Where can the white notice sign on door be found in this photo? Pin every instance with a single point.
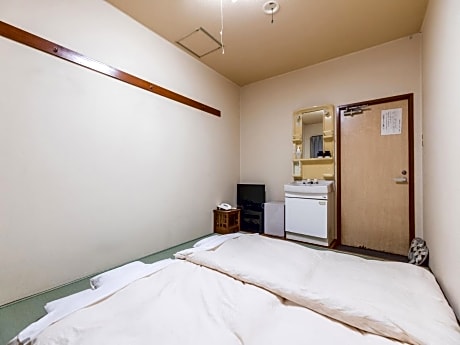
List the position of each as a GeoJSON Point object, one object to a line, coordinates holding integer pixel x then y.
{"type": "Point", "coordinates": [391, 121]}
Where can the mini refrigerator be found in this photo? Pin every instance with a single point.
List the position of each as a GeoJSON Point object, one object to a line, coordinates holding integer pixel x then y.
{"type": "Point", "coordinates": [274, 218]}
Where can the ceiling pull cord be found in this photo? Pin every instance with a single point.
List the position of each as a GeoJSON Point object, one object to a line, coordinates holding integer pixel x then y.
{"type": "Point", "coordinates": [270, 8]}
{"type": "Point", "coordinates": [222, 27]}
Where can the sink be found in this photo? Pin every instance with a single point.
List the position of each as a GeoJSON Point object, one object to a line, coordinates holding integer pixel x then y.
{"type": "Point", "coordinates": [304, 187]}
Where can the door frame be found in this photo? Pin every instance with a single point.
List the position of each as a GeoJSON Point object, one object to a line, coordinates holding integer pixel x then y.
{"type": "Point", "coordinates": [410, 123]}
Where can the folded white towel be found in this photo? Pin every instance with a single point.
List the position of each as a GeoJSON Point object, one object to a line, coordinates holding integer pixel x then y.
{"type": "Point", "coordinates": [207, 243]}
{"type": "Point", "coordinates": [116, 273]}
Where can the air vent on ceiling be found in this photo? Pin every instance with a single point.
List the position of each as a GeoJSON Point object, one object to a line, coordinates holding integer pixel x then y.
{"type": "Point", "coordinates": [199, 42]}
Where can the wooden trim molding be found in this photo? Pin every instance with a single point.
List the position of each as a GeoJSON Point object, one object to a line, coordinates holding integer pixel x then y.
{"type": "Point", "coordinates": [33, 41]}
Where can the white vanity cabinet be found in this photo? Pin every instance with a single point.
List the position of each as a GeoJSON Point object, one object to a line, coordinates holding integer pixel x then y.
{"type": "Point", "coordinates": [310, 198]}
{"type": "Point", "coordinates": [310, 212]}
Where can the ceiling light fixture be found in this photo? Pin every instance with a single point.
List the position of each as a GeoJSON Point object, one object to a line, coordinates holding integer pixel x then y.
{"type": "Point", "coordinates": [271, 7]}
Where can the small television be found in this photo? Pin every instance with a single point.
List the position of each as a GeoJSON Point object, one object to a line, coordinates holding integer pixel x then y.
{"type": "Point", "coordinates": [250, 199]}
{"type": "Point", "coordinates": [250, 196]}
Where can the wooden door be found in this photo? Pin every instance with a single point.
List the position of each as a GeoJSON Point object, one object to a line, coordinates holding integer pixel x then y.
{"type": "Point", "coordinates": [375, 175]}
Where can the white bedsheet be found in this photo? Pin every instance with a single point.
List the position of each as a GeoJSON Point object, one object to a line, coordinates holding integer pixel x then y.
{"type": "Point", "coordinates": [189, 304]}
{"type": "Point", "coordinates": [58, 309]}
{"type": "Point", "coordinates": [391, 299]}
{"type": "Point", "coordinates": [185, 302]}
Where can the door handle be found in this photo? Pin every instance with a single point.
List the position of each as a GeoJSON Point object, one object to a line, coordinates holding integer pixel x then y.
{"type": "Point", "coordinates": [400, 179]}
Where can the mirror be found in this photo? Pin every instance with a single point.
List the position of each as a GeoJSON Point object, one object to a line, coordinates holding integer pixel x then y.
{"type": "Point", "coordinates": [313, 143]}
{"type": "Point", "coordinates": [312, 133]}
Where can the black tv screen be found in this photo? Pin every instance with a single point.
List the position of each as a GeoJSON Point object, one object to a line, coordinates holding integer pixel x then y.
{"type": "Point", "coordinates": [249, 195]}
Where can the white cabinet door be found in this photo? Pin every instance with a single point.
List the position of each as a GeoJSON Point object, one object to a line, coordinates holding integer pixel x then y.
{"type": "Point", "coordinates": [306, 216]}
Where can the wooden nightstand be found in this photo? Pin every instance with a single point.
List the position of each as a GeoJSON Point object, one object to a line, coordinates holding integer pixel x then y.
{"type": "Point", "coordinates": [226, 222]}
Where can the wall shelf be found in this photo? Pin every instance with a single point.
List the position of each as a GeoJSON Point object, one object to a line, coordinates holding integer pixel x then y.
{"type": "Point", "coordinates": [314, 160]}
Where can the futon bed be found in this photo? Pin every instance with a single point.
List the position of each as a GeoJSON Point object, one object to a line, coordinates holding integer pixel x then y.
{"type": "Point", "coordinates": [249, 289]}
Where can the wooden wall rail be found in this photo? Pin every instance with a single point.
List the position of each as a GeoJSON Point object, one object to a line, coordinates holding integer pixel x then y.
{"type": "Point", "coordinates": [33, 41]}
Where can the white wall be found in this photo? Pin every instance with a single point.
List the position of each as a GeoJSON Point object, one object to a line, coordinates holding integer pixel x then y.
{"type": "Point", "coordinates": [267, 106]}
{"type": "Point", "coordinates": [95, 172]}
{"type": "Point", "coordinates": [441, 161]}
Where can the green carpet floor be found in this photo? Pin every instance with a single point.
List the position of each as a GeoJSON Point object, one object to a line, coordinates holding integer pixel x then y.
{"type": "Point", "coordinates": [16, 316]}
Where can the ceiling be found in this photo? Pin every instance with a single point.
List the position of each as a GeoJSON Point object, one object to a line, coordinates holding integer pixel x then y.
{"type": "Point", "coordinates": [303, 32]}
